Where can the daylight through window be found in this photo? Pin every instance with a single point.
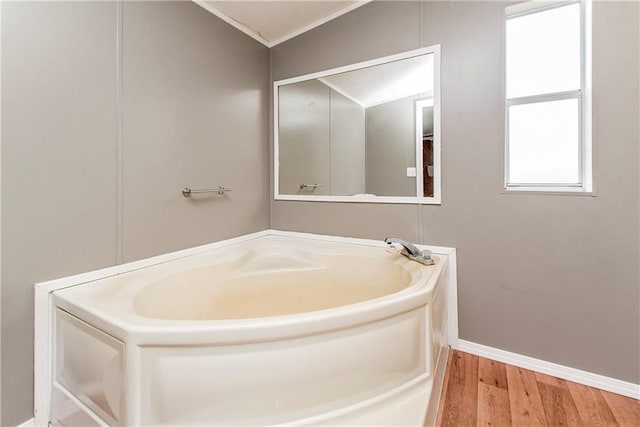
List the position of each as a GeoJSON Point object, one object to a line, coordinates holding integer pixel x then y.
{"type": "Point", "coordinates": [547, 116]}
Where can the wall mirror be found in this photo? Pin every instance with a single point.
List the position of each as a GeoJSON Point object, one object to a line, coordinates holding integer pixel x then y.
{"type": "Point", "coordinates": [368, 132]}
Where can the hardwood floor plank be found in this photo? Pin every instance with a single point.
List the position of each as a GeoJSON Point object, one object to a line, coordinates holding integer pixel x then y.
{"type": "Point", "coordinates": [592, 407]}
{"type": "Point", "coordinates": [625, 410]}
{"type": "Point", "coordinates": [482, 392]}
{"type": "Point", "coordinates": [526, 404]}
{"type": "Point", "coordinates": [493, 405]}
{"type": "Point", "coordinates": [558, 405]}
{"type": "Point", "coordinates": [492, 373]}
{"type": "Point", "coordinates": [548, 379]}
{"type": "Point", "coordinates": [460, 406]}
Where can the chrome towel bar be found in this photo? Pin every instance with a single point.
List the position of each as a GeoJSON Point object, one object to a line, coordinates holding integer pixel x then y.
{"type": "Point", "coordinates": [311, 186]}
{"type": "Point", "coordinates": [187, 192]}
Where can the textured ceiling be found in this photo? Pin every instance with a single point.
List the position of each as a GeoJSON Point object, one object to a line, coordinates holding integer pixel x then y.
{"type": "Point", "coordinates": [272, 22]}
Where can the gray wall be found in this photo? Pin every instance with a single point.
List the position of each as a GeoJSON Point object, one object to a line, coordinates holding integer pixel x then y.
{"type": "Point", "coordinates": [83, 189]}
{"type": "Point", "coordinates": [195, 94]}
{"type": "Point", "coordinates": [391, 147]}
{"type": "Point", "coordinates": [58, 166]}
{"type": "Point", "coordinates": [347, 146]}
{"type": "Point", "coordinates": [552, 277]}
{"type": "Point", "coordinates": [305, 131]}
{"type": "Point", "coordinates": [321, 140]}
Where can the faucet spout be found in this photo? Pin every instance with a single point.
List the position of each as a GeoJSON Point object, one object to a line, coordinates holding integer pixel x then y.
{"type": "Point", "coordinates": [411, 251]}
{"type": "Point", "coordinates": [408, 246]}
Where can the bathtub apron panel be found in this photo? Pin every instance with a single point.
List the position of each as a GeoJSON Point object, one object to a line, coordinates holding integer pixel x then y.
{"type": "Point", "coordinates": [282, 381]}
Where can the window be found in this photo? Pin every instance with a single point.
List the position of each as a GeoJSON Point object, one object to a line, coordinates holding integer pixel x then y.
{"type": "Point", "coordinates": [547, 109]}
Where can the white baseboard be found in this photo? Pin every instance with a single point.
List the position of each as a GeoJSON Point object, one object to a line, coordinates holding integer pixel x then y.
{"type": "Point", "coordinates": [576, 375]}
{"type": "Point", "coordinates": [28, 423]}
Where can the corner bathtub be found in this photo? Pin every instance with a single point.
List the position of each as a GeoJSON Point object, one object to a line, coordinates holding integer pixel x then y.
{"type": "Point", "coordinates": [271, 328]}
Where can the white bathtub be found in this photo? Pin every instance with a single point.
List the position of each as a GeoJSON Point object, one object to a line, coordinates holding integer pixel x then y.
{"type": "Point", "coordinates": [270, 328]}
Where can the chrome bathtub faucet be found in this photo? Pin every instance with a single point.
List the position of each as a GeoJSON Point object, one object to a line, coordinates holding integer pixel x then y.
{"type": "Point", "coordinates": [411, 251]}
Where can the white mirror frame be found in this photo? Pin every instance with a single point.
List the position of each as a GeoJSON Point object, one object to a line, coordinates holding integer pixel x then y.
{"type": "Point", "coordinates": [436, 199]}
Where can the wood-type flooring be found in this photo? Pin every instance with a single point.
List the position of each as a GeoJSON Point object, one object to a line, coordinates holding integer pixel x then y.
{"type": "Point", "coordinates": [482, 392]}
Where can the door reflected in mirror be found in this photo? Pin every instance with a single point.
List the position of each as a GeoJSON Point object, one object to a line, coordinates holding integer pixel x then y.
{"type": "Point", "coordinates": [368, 132]}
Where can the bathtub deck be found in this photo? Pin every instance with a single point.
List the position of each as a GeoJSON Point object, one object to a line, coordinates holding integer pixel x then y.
{"type": "Point", "coordinates": [480, 391]}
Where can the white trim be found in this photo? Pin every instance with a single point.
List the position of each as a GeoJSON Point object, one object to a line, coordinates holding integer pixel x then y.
{"type": "Point", "coordinates": [452, 300]}
{"type": "Point", "coordinates": [29, 423]}
{"type": "Point", "coordinates": [258, 37]}
{"type": "Point", "coordinates": [549, 191]}
{"type": "Point", "coordinates": [0, 190]}
{"type": "Point", "coordinates": [43, 332]}
{"type": "Point", "coordinates": [533, 6]}
{"type": "Point", "coordinates": [276, 161]}
{"type": "Point", "coordinates": [364, 199]}
{"type": "Point", "coordinates": [565, 372]}
{"type": "Point", "coordinates": [435, 200]}
{"type": "Point", "coordinates": [437, 127]}
{"type": "Point", "coordinates": [586, 26]}
{"type": "Point", "coordinates": [370, 63]}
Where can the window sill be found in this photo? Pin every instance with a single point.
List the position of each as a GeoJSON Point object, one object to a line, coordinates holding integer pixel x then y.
{"type": "Point", "coordinates": [549, 191]}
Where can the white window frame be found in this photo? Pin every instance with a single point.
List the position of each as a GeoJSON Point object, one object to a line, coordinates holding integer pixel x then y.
{"type": "Point", "coordinates": [583, 95]}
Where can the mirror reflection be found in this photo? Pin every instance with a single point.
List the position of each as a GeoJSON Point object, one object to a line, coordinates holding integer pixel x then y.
{"type": "Point", "coordinates": [363, 134]}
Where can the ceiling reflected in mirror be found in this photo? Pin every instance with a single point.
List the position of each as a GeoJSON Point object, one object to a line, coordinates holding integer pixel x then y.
{"type": "Point", "coordinates": [384, 83]}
